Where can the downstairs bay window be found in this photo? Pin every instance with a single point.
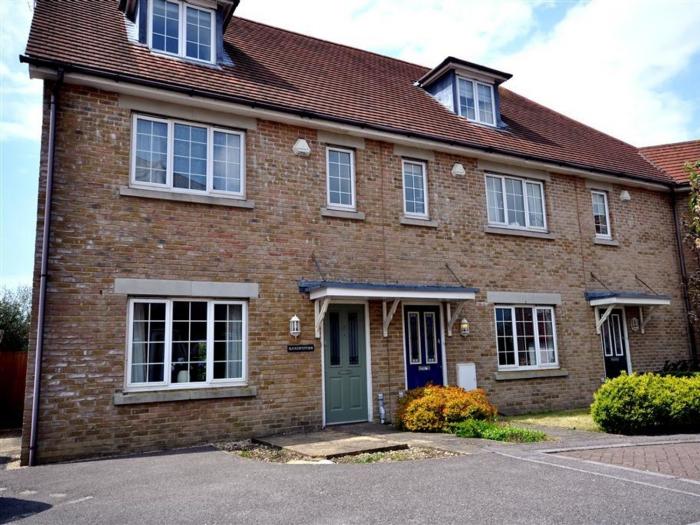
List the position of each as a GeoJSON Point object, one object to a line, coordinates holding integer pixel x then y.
{"type": "Point", "coordinates": [180, 343]}
{"type": "Point", "coordinates": [526, 337]}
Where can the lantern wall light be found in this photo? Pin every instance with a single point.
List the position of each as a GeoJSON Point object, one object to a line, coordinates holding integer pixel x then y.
{"type": "Point", "coordinates": [294, 327]}
{"type": "Point", "coordinates": [464, 327]}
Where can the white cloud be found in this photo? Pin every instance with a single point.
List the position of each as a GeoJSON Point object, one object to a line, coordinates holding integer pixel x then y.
{"type": "Point", "coordinates": [419, 31]}
{"type": "Point", "coordinates": [606, 63]}
{"type": "Point", "coordinates": [20, 97]}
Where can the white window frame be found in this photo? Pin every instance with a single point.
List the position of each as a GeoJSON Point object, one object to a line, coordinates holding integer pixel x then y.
{"type": "Point", "coordinates": [536, 335]}
{"type": "Point", "coordinates": [526, 204]}
{"type": "Point", "coordinates": [353, 204]}
{"type": "Point", "coordinates": [607, 236]}
{"type": "Point", "coordinates": [169, 186]}
{"type": "Point", "coordinates": [424, 167]}
{"type": "Point", "coordinates": [182, 31]}
{"type": "Point", "coordinates": [166, 384]}
{"type": "Point", "coordinates": [475, 95]}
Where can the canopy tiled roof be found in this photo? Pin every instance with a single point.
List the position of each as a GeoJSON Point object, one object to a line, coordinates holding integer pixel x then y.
{"type": "Point", "coordinates": [279, 69]}
{"type": "Point", "coordinates": [670, 158]}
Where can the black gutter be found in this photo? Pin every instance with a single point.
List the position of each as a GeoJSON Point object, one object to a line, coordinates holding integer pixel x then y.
{"type": "Point", "coordinates": [692, 343]}
{"type": "Point", "coordinates": [254, 104]}
{"type": "Point", "coordinates": [38, 354]}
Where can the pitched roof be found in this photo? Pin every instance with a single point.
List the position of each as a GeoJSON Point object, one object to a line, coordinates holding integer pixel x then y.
{"type": "Point", "coordinates": [670, 158]}
{"type": "Point", "coordinates": [280, 69]}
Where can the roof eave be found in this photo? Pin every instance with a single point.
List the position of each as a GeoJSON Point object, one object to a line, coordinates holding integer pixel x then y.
{"type": "Point", "coordinates": [68, 67]}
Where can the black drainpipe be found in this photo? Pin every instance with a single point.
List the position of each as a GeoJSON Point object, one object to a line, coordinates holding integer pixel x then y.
{"type": "Point", "coordinates": [53, 103]}
{"type": "Point", "coordinates": [684, 276]}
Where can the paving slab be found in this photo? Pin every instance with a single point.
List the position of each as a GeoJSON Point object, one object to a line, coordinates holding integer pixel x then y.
{"type": "Point", "coordinates": [331, 443]}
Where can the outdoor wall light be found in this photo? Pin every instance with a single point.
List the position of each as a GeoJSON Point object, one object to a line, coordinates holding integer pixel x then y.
{"type": "Point", "coordinates": [301, 148]}
{"type": "Point", "coordinates": [458, 170]}
{"type": "Point", "coordinates": [294, 327]}
{"type": "Point", "coordinates": [625, 196]}
{"type": "Point", "coordinates": [634, 323]}
{"type": "Point", "coordinates": [464, 327]}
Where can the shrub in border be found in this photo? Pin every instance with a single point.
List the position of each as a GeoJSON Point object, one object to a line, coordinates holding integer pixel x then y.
{"type": "Point", "coordinates": [434, 408]}
{"type": "Point", "coordinates": [648, 404]}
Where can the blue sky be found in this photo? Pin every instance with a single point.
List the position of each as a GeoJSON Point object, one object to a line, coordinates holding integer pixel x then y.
{"type": "Point", "coordinates": [627, 67]}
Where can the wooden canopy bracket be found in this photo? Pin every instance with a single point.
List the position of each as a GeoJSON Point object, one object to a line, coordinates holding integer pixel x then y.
{"type": "Point", "coordinates": [644, 319]}
{"type": "Point", "coordinates": [320, 308]}
{"type": "Point", "coordinates": [600, 319]}
{"type": "Point", "coordinates": [453, 316]}
{"type": "Point", "coordinates": [387, 316]}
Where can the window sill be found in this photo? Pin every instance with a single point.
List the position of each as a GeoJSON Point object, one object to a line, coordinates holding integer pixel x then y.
{"type": "Point", "coordinates": [425, 223]}
{"type": "Point", "coordinates": [127, 191]}
{"type": "Point", "coordinates": [164, 396]}
{"type": "Point", "coordinates": [606, 242]}
{"type": "Point", "coordinates": [343, 214]}
{"type": "Point", "coordinates": [509, 375]}
{"type": "Point", "coordinates": [520, 233]}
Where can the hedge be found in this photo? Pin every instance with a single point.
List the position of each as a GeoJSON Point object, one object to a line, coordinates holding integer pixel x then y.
{"type": "Point", "coordinates": [434, 408]}
{"type": "Point", "coordinates": [648, 404]}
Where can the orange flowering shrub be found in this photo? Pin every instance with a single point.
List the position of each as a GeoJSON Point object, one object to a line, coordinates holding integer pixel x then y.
{"type": "Point", "coordinates": [434, 408]}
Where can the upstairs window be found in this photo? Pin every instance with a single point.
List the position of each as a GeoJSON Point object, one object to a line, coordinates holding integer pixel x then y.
{"type": "Point", "coordinates": [476, 101]}
{"type": "Point", "coordinates": [184, 157]}
{"type": "Point", "coordinates": [601, 214]}
{"type": "Point", "coordinates": [180, 29]}
{"type": "Point", "coordinates": [340, 171]}
{"type": "Point", "coordinates": [415, 190]}
{"type": "Point", "coordinates": [515, 203]}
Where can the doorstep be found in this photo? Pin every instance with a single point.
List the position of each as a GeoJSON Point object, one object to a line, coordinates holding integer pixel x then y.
{"type": "Point", "coordinates": [329, 443]}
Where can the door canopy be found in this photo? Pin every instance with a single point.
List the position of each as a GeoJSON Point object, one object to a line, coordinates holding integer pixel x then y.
{"type": "Point", "coordinates": [607, 300]}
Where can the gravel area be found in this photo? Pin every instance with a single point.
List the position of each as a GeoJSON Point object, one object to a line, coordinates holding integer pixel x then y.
{"type": "Point", "coordinates": [249, 450]}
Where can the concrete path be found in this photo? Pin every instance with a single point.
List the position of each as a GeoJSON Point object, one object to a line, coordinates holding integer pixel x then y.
{"type": "Point", "coordinates": [10, 445]}
{"type": "Point", "coordinates": [331, 443]}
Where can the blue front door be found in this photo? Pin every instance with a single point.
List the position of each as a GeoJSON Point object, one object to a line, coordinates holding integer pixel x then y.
{"type": "Point", "coordinates": [423, 343]}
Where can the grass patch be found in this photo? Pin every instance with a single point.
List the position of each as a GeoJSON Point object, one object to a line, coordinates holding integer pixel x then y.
{"type": "Point", "coordinates": [578, 419]}
{"type": "Point", "coordinates": [475, 428]}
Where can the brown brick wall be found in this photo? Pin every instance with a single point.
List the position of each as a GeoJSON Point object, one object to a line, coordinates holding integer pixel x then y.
{"type": "Point", "coordinates": [98, 235]}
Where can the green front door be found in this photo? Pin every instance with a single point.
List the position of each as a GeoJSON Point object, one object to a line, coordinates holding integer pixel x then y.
{"type": "Point", "coordinates": [345, 363]}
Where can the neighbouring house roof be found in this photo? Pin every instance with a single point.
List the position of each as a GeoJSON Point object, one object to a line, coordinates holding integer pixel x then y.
{"type": "Point", "coordinates": [287, 71]}
{"type": "Point", "coordinates": [608, 297]}
{"type": "Point", "coordinates": [670, 158]}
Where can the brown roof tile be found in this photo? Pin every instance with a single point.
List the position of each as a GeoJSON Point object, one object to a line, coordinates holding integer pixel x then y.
{"type": "Point", "coordinates": [670, 158]}
{"type": "Point", "coordinates": [298, 73]}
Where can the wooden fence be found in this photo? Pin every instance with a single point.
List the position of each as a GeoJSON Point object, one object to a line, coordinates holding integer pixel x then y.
{"type": "Point", "coordinates": [13, 371]}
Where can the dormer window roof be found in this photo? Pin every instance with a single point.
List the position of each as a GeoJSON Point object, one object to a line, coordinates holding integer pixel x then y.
{"type": "Point", "coordinates": [467, 89]}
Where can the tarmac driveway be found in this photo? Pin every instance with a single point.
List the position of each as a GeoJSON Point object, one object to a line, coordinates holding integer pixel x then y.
{"type": "Point", "coordinates": [501, 485]}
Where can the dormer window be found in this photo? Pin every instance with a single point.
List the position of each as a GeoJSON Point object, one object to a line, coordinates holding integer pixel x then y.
{"type": "Point", "coordinates": [467, 89]}
{"type": "Point", "coordinates": [180, 29]}
{"type": "Point", "coordinates": [476, 101]}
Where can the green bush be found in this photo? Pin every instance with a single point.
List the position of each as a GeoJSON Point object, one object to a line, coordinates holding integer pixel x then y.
{"type": "Point", "coordinates": [473, 428]}
{"type": "Point", "coordinates": [433, 408]}
{"type": "Point", "coordinates": [648, 404]}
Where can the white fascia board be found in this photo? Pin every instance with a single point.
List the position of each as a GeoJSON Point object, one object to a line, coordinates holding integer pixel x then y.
{"type": "Point", "coordinates": [629, 302]}
{"type": "Point", "coordinates": [336, 127]}
{"type": "Point", "coordinates": [388, 293]}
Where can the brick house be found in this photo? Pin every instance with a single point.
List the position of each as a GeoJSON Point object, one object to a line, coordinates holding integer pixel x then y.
{"type": "Point", "coordinates": [255, 231]}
